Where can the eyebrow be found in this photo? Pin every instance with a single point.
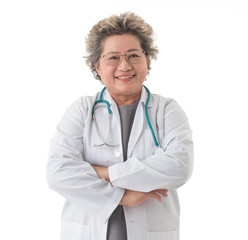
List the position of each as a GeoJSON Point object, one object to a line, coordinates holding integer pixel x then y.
{"type": "Point", "coordinates": [130, 50]}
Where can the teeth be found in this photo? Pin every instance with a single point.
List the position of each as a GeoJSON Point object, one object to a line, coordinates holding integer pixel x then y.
{"type": "Point", "coordinates": [125, 77]}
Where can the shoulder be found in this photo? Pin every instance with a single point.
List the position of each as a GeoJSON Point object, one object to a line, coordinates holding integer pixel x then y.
{"type": "Point", "coordinates": [82, 105]}
{"type": "Point", "coordinates": [164, 102]}
{"type": "Point", "coordinates": [167, 107]}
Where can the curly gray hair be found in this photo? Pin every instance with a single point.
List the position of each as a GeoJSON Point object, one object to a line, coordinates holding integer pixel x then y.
{"type": "Point", "coordinates": [125, 23]}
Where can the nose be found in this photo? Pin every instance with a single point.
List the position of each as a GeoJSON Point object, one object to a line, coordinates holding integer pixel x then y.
{"type": "Point", "coordinates": [124, 65]}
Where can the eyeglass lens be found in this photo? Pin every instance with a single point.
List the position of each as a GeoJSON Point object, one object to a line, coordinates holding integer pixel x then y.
{"type": "Point", "coordinates": [115, 58]}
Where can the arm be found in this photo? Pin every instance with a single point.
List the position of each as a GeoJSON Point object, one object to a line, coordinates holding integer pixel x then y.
{"type": "Point", "coordinates": [132, 198]}
{"type": "Point", "coordinates": [74, 178]}
{"type": "Point", "coordinates": [170, 166]}
{"type": "Point", "coordinates": [102, 172]}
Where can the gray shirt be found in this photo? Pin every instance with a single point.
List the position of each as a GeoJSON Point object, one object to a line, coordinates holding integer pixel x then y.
{"type": "Point", "coordinates": [117, 224]}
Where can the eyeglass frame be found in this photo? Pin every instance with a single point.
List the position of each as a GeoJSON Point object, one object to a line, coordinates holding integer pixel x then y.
{"type": "Point", "coordinates": [121, 56]}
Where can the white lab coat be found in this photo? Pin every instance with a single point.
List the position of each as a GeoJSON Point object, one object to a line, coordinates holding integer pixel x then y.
{"type": "Point", "coordinates": [90, 201]}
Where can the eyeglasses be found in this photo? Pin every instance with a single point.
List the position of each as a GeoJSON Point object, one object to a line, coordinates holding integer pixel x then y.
{"type": "Point", "coordinates": [133, 57]}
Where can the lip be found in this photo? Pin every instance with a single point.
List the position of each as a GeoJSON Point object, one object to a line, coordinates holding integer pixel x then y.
{"type": "Point", "coordinates": [125, 78]}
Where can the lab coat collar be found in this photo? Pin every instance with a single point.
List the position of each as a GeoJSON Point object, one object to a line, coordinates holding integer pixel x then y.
{"type": "Point", "coordinates": [144, 96]}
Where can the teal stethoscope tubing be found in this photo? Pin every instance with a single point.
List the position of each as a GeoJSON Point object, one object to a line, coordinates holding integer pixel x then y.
{"type": "Point", "coordinates": [146, 110]}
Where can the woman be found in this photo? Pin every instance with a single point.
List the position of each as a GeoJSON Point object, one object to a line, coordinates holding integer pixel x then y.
{"type": "Point", "coordinates": [118, 157]}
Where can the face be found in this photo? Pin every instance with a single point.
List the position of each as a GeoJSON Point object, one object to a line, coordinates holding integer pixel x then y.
{"type": "Point", "coordinates": [124, 80]}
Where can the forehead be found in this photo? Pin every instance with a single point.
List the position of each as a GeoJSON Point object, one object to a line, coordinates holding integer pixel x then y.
{"type": "Point", "coordinates": [121, 43]}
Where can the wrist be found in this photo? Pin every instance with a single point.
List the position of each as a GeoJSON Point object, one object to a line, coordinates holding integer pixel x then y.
{"type": "Point", "coordinates": [122, 202]}
{"type": "Point", "coordinates": [106, 174]}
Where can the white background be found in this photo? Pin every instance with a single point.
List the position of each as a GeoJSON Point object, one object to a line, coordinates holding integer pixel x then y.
{"type": "Point", "coordinates": [203, 64]}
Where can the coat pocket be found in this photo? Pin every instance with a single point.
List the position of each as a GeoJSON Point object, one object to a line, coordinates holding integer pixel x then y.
{"type": "Point", "coordinates": [74, 231]}
{"type": "Point", "coordinates": [170, 235]}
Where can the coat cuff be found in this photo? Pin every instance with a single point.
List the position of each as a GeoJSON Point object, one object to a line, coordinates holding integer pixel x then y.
{"type": "Point", "coordinates": [120, 170]}
{"type": "Point", "coordinates": [116, 198]}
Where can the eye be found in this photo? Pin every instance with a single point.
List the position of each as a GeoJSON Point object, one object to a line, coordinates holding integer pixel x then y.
{"type": "Point", "coordinates": [113, 57]}
{"type": "Point", "coordinates": [134, 55]}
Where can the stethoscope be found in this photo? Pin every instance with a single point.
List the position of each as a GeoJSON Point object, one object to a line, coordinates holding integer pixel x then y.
{"type": "Point", "coordinates": [101, 100]}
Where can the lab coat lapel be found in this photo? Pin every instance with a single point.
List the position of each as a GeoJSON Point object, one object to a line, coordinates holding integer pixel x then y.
{"type": "Point", "coordinates": [138, 123]}
{"type": "Point", "coordinates": [113, 106]}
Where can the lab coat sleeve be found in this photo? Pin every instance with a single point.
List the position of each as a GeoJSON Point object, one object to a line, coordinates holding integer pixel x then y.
{"type": "Point", "coordinates": [170, 166]}
{"type": "Point", "coordinates": [73, 177]}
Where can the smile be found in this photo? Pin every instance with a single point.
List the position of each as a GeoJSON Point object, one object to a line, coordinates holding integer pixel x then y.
{"type": "Point", "coordinates": [129, 77]}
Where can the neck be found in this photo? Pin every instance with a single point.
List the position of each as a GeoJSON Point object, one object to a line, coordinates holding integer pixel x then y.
{"type": "Point", "coordinates": [125, 100]}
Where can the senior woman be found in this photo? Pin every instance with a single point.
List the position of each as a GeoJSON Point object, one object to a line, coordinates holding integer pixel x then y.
{"type": "Point", "coordinates": [118, 157]}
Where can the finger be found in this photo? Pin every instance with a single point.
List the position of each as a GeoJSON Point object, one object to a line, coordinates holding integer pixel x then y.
{"type": "Point", "coordinates": [163, 192]}
{"type": "Point", "coordinates": [154, 195]}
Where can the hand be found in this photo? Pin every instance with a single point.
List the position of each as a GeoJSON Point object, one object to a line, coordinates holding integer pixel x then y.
{"type": "Point", "coordinates": [133, 198]}
{"type": "Point", "coordinates": [102, 172]}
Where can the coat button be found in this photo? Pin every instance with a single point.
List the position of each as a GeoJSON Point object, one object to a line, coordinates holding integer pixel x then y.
{"type": "Point", "coordinates": [117, 154]}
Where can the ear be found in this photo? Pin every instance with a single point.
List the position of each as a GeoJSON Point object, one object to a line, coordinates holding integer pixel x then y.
{"type": "Point", "coordinates": [97, 69]}
{"type": "Point", "coordinates": [147, 61]}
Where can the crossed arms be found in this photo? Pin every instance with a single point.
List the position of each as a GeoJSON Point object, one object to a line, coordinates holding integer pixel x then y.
{"type": "Point", "coordinates": [132, 198]}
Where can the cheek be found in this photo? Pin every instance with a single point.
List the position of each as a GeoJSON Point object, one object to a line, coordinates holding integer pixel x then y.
{"type": "Point", "coordinates": [142, 70]}
{"type": "Point", "coordinates": [105, 72]}
{"type": "Point", "coordinates": [109, 73]}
